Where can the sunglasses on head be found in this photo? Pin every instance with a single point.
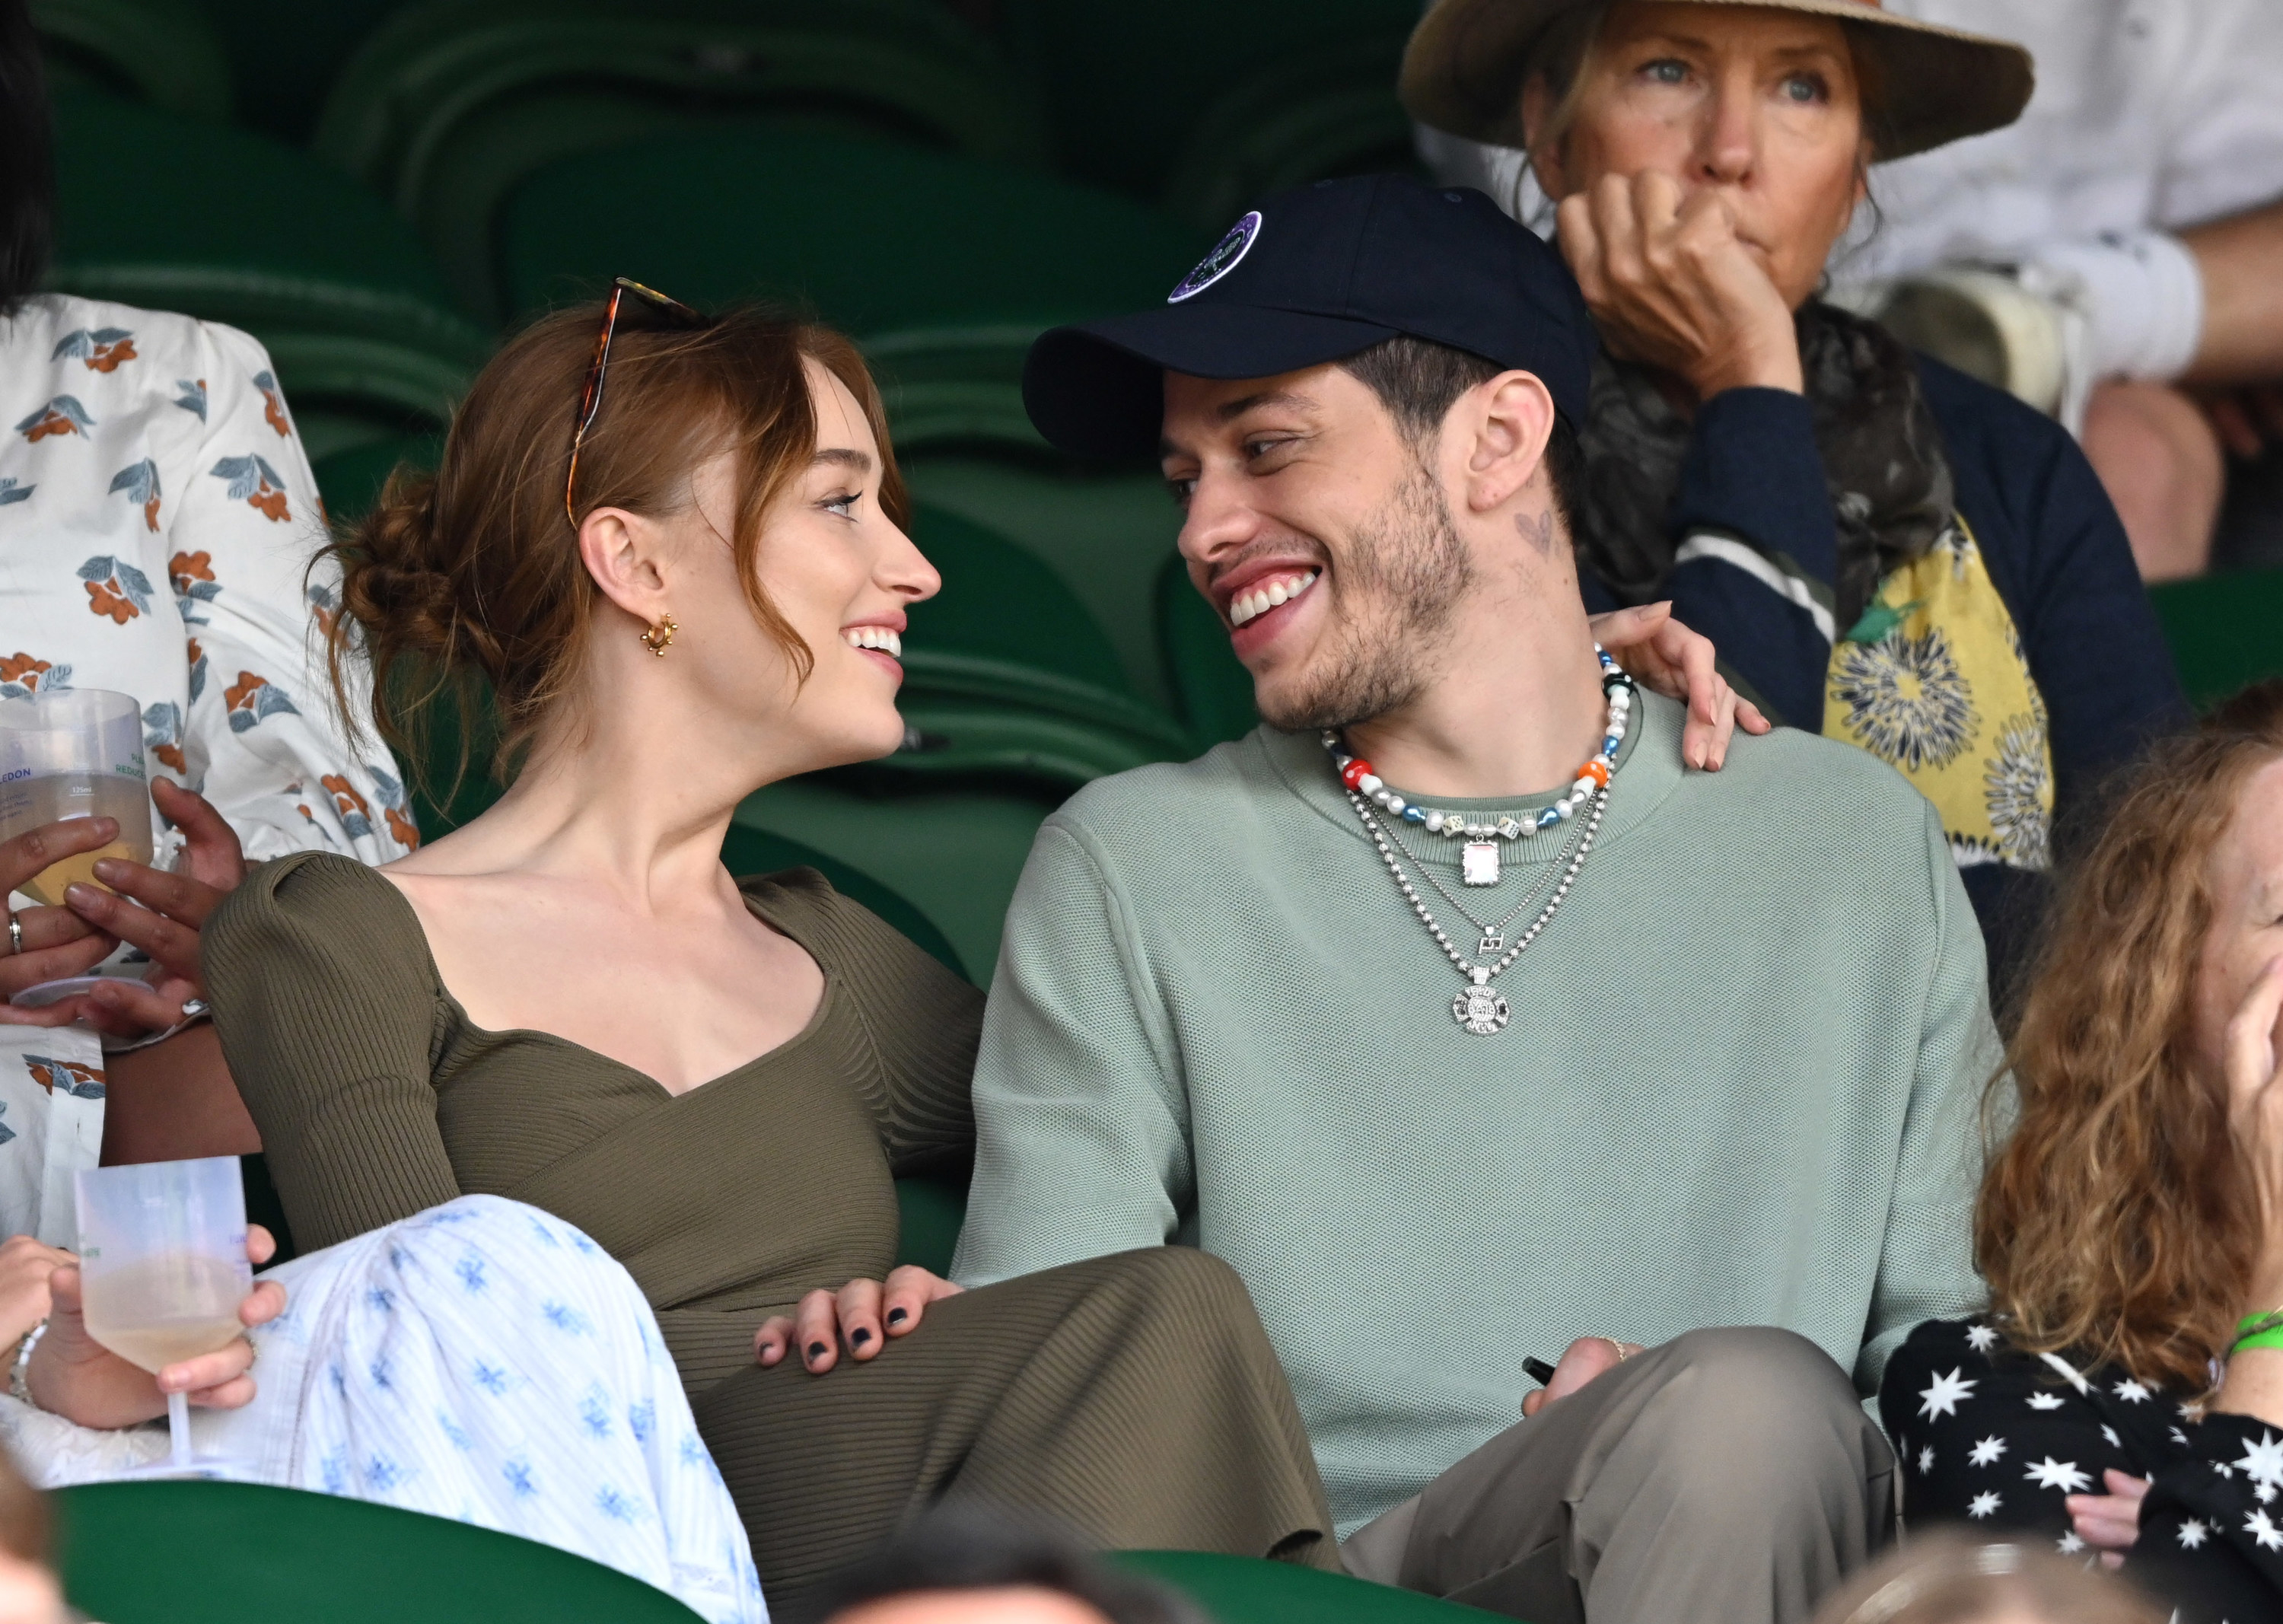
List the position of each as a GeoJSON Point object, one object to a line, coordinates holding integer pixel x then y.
{"type": "Point", "coordinates": [590, 399]}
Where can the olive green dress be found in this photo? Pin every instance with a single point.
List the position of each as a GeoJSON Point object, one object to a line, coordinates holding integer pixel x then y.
{"type": "Point", "coordinates": [1134, 1396]}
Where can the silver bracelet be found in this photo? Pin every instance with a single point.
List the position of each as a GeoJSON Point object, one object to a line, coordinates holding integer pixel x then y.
{"type": "Point", "coordinates": [20, 1384]}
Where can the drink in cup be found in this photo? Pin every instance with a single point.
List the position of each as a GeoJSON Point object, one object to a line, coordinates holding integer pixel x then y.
{"type": "Point", "coordinates": [162, 1266]}
{"type": "Point", "coordinates": [76, 753]}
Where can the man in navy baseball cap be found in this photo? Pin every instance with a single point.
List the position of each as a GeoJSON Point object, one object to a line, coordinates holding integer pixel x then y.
{"type": "Point", "coordinates": [1318, 275]}
{"type": "Point", "coordinates": [1448, 1006]}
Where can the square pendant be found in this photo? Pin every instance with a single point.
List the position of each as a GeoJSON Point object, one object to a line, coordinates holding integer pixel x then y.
{"type": "Point", "coordinates": [1479, 863]}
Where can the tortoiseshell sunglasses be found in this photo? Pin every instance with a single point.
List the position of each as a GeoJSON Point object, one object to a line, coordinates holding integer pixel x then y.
{"type": "Point", "coordinates": [590, 399]}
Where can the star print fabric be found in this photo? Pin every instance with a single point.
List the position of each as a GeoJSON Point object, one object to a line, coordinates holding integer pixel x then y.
{"type": "Point", "coordinates": [482, 1361]}
{"type": "Point", "coordinates": [1996, 1438]}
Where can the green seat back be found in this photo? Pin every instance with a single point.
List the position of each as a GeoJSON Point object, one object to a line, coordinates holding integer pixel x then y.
{"type": "Point", "coordinates": [1317, 112]}
{"type": "Point", "coordinates": [1106, 532]}
{"type": "Point", "coordinates": [177, 213]}
{"type": "Point", "coordinates": [1127, 87]}
{"type": "Point", "coordinates": [1213, 688]}
{"type": "Point", "coordinates": [284, 55]}
{"type": "Point", "coordinates": [1244, 1591]}
{"type": "Point", "coordinates": [223, 1553]}
{"type": "Point", "coordinates": [351, 478]}
{"type": "Point", "coordinates": [165, 52]}
{"type": "Point", "coordinates": [2225, 630]}
{"type": "Point", "coordinates": [874, 236]}
{"type": "Point", "coordinates": [1000, 600]}
{"type": "Point", "coordinates": [952, 848]}
{"type": "Point", "coordinates": [451, 104]}
{"type": "Point", "coordinates": [930, 1208]}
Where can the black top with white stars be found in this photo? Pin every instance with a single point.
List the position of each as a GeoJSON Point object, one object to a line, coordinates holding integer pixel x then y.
{"type": "Point", "coordinates": [1997, 1438]}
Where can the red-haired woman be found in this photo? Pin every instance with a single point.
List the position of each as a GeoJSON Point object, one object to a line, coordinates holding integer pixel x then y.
{"type": "Point", "coordinates": [2131, 1227]}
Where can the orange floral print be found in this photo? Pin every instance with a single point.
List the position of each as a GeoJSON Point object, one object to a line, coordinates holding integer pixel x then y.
{"type": "Point", "coordinates": [104, 601]}
{"type": "Point", "coordinates": [21, 668]}
{"type": "Point", "coordinates": [187, 569]}
{"type": "Point", "coordinates": [171, 755]}
{"type": "Point", "coordinates": [346, 802]}
{"type": "Point", "coordinates": [407, 834]}
{"type": "Point", "coordinates": [111, 357]}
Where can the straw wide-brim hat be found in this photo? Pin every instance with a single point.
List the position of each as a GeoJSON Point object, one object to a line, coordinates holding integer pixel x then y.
{"type": "Point", "coordinates": [1463, 70]}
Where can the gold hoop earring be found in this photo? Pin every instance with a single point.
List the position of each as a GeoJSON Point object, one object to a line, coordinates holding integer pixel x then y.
{"type": "Point", "coordinates": [658, 636]}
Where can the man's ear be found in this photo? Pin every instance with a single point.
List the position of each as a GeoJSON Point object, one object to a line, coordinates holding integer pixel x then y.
{"type": "Point", "coordinates": [1508, 420]}
{"type": "Point", "coordinates": [620, 550]}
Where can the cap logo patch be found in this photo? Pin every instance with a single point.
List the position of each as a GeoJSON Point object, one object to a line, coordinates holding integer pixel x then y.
{"type": "Point", "coordinates": [1221, 262]}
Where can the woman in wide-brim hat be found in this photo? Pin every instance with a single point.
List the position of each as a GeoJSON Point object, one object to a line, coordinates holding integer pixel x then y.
{"type": "Point", "coordinates": [1885, 549]}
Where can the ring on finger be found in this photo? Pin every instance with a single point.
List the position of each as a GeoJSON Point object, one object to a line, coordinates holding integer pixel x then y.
{"type": "Point", "coordinates": [15, 934]}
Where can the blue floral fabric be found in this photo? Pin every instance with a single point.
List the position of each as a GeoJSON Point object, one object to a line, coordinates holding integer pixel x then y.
{"type": "Point", "coordinates": [482, 1361]}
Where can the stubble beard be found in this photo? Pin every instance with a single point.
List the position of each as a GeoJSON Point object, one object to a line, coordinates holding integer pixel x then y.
{"type": "Point", "coordinates": [1399, 581]}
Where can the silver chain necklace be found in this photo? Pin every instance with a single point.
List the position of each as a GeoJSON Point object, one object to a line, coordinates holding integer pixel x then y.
{"type": "Point", "coordinates": [1493, 936]}
{"type": "Point", "coordinates": [1480, 1007]}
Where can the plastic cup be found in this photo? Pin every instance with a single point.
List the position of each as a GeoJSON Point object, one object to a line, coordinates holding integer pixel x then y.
{"type": "Point", "coordinates": [163, 1268]}
{"type": "Point", "coordinates": [74, 754]}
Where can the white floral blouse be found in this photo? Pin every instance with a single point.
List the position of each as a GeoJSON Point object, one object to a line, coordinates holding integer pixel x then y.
{"type": "Point", "coordinates": [158, 519]}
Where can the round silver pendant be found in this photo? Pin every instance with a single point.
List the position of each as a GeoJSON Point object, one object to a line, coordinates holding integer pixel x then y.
{"type": "Point", "coordinates": [1480, 1010]}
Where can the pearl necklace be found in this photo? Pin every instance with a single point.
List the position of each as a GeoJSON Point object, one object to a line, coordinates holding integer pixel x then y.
{"type": "Point", "coordinates": [1479, 863]}
{"type": "Point", "coordinates": [1479, 1007]}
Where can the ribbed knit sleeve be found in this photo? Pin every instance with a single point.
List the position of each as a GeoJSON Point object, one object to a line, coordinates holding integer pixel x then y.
{"type": "Point", "coordinates": [923, 1021]}
{"type": "Point", "coordinates": [325, 1002]}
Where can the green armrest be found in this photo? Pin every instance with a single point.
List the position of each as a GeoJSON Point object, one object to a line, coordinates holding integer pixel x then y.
{"type": "Point", "coordinates": [226, 1553]}
{"type": "Point", "coordinates": [1246, 1590]}
{"type": "Point", "coordinates": [931, 1207]}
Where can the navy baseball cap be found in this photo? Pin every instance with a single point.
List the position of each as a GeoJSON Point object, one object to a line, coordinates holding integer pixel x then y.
{"type": "Point", "coordinates": [1315, 274]}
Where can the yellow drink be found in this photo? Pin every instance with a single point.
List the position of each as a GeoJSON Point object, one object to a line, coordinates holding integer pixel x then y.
{"type": "Point", "coordinates": [28, 803]}
{"type": "Point", "coordinates": [157, 1311]}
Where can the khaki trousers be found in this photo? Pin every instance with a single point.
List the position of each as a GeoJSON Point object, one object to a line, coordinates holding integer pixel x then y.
{"type": "Point", "coordinates": [1729, 1477]}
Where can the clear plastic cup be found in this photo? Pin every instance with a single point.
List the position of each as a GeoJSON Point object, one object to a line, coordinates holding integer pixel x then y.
{"type": "Point", "coordinates": [162, 1262]}
{"type": "Point", "coordinates": [74, 754]}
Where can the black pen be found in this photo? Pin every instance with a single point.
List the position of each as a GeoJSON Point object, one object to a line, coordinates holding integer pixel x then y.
{"type": "Point", "coordinates": [1539, 1372]}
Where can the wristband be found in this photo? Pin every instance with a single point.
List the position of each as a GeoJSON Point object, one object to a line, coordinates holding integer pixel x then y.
{"type": "Point", "coordinates": [20, 1385]}
{"type": "Point", "coordinates": [2259, 1331]}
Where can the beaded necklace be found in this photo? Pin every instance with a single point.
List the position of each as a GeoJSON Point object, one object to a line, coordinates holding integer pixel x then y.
{"type": "Point", "coordinates": [1479, 1007]}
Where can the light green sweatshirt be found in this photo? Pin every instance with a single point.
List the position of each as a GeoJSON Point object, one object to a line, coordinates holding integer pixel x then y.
{"type": "Point", "coordinates": [1741, 1087]}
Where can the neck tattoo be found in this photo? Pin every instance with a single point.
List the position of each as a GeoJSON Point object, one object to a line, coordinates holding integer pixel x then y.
{"type": "Point", "coordinates": [1480, 1007]}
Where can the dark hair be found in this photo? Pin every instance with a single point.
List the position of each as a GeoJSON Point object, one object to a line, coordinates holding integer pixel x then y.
{"type": "Point", "coordinates": [471, 576]}
{"type": "Point", "coordinates": [1417, 380]}
{"type": "Point", "coordinates": [28, 174]}
{"type": "Point", "coordinates": [970, 1546]}
{"type": "Point", "coordinates": [2121, 1218]}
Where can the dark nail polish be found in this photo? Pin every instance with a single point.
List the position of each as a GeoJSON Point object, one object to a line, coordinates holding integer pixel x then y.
{"type": "Point", "coordinates": [897, 1317]}
{"type": "Point", "coordinates": [860, 1339]}
{"type": "Point", "coordinates": [817, 1350]}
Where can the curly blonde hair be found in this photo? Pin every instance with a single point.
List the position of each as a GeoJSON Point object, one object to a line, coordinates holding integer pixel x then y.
{"type": "Point", "coordinates": [2122, 1216]}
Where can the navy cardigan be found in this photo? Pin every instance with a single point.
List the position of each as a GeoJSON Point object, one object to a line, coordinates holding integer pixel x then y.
{"type": "Point", "coordinates": [2048, 534]}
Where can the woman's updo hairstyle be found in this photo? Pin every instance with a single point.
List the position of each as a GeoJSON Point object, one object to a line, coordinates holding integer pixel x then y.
{"type": "Point", "coordinates": [471, 580]}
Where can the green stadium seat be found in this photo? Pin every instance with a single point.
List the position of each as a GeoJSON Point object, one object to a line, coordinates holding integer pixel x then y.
{"type": "Point", "coordinates": [1214, 689]}
{"type": "Point", "coordinates": [1127, 87]}
{"type": "Point", "coordinates": [1242, 1590]}
{"type": "Point", "coordinates": [952, 848]}
{"type": "Point", "coordinates": [930, 1208]}
{"type": "Point", "coordinates": [1105, 531]}
{"type": "Point", "coordinates": [161, 51]}
{"type": "Point", "coordinates": [876, 237]}
{"type": "Point", "coordinates": [350, 480]}
{"type": "Point", "coordinates": [1324, 111]}
{"type": "Point", "coordinates": [176, 214]}
{"type": "Point", "coordinates": [284, 56]}
{"type": "Point", "coordinates": [1000, 600]}
{"type": "Point", "coordinates": [2224, 630]}
{"type": "Point", "coordinates": [450, 105]}
{"type": "Point", "coordinates": [224, 1553]}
